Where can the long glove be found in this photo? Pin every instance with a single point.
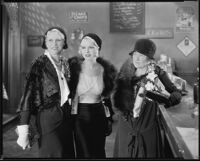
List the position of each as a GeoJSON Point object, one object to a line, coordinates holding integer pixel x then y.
{"type": "Point", "coordinates": [23, 138]}
{"type": "Point", "coordinates": [174, 99]}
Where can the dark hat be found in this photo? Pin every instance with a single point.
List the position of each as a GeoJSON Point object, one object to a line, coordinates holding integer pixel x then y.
{"type": "Point", "coordinates": [146, 47]}
{"type": "Point", "coordinates": [59, 29]}
{"type": "Point", "coordinates": [95, 37]}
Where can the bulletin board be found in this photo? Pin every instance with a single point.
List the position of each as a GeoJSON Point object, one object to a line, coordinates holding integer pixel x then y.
{"type": "Point", "coordinates": [127, 17]}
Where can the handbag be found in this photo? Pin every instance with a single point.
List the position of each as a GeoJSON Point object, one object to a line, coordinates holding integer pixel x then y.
{"type": "Point", "coordinates": [108, 129]}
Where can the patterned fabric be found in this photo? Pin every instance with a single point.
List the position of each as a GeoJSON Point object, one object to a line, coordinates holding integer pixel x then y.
{"type": "Point", "coordinates": [64, 89]}
{"type": "Point", "coordinates": [41, 92]}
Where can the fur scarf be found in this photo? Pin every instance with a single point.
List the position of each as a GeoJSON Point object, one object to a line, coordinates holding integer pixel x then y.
{"type": "Point", "coordinates": [109, 74]}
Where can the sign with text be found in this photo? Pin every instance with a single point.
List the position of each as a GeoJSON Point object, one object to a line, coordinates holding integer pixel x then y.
{"type": "Point", "coordinates": [127, 17]}
{"type": "Point", "coordinates": [79, 16]}
{"type": "Point", "coordinates": [159, 33]}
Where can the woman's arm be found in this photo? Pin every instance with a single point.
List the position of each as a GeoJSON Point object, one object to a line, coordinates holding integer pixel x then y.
{"type": "Point", "coordinates": [30, 99]}
{"type": "Point", "coordinates": [123, 95]}
{"type": "Point", "coordinates": [175, 94]}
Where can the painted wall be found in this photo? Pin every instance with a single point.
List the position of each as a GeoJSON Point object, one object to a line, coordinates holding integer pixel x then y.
{"type": "Point", "coordinates": [116, 46]}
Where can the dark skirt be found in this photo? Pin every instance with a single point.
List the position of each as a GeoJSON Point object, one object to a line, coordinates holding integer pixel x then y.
{"type": "Point", "coordinates": [140, 137]}
{"type": "Point", "coordinates": [90, 126]}
{"type": "Point", "coordinates": [59, 142]}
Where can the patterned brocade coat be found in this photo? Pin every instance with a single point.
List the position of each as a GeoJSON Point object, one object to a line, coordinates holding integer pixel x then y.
{"type": "Point", "coordinates": [41, 97]}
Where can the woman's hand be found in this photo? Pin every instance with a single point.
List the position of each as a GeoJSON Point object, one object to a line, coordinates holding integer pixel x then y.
{"type": "Point", "coordinates": [23, 136]}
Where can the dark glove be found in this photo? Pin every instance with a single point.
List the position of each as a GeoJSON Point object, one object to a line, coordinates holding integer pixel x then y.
{"type": "Point", "coordinates": [174, 99]}
{"type": "Point", "coordinates": [107, 102]}
{"type": "Point", "coordinates": [159, 97]}
{"type": "Point", "coordinates": [108, 127]}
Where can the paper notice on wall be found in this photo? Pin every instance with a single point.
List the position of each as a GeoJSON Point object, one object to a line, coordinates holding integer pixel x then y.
{"type": "Point", "coordinates": [185, 19]}
{"type": "Point", "coordinates": [79, 16]}
{"type": "Point", "coordinates": [186, 46]}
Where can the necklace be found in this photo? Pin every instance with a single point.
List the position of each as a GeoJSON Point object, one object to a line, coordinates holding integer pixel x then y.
{"type": "Point", "coordinates": [58, 62]}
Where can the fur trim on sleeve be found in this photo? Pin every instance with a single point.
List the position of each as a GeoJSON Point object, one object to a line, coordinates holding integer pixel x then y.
{"type": "Point", "coordinates": [75, 69]}
{"type": "Point", "coordinates": [123, 94]}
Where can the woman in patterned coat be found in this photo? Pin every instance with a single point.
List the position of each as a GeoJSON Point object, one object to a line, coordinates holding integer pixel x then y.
{"type": "Point", "coordinates": [44, 107]}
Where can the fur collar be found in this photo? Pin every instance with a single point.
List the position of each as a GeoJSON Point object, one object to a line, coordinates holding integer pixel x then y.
{"type": "Point", "coordinates": [109, 74]}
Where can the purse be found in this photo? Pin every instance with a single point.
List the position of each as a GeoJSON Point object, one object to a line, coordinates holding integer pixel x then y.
{"type": "Point", "coordinates": [108, 129]}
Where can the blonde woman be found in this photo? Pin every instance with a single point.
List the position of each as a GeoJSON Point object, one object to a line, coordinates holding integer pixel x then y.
{"type": "Point", "coordinates": [92, 81]}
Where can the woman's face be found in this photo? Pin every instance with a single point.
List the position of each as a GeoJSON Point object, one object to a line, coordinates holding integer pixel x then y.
{"type": "Point", "coordinates": [139, 60]}
{"type": "Point", "coordinates": [89, 49]}
{"type": "Point", "coordinates": [54, 42]}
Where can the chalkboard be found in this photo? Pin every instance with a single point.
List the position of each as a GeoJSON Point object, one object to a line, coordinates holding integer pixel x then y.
{"type": "Point", "coordinates": [127, 17]}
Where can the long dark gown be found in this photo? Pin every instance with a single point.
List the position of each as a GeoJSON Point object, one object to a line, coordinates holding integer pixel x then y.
{"type": "Point", "coordinates": [139, 137]}
{"type": "Point", "coordinates": [90, 126]}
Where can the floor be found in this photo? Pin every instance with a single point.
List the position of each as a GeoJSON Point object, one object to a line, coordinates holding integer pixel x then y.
{"type": "Point", "coordinates": [12, 150]}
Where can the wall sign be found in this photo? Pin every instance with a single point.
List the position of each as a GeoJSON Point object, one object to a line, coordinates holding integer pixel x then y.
{"type": "Point", "coordinates": [185, 19]}
{"type": "Point", "coordinates": [127, 17]}
{"type": "Point", "coordinates": [35, 40]}
{"type": "Point", "coordinates": [186, 46]}
{"type": "Point", "coordinates": [79, 16]}
{"type": "Point", "coordinates": [159, 33]}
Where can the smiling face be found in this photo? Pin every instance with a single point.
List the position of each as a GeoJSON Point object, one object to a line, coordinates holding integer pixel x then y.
{"type": "Point", "coordinates": [54, 42]}
{"type": "Point", "coordinates": [89, 49]}
{"type": "Point", "coordinates": [139, 60]}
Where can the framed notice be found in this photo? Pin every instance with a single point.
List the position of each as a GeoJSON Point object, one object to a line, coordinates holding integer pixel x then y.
{"type": "Point", "coordinates": [79, 16]}
{"type": "Point", "coordinates": [185, 19]}
{"type": "Point", "coordinates": [127, 17]}
{"type": "Point", "coordinates": [35, 40]}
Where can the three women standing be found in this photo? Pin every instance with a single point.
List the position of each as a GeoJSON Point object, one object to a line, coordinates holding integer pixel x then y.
{"type": "Point", "coordinates": [88, 80]}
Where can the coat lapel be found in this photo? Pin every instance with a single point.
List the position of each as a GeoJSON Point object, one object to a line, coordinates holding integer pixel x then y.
{"type": "Point", "coordinates": [51, 70]}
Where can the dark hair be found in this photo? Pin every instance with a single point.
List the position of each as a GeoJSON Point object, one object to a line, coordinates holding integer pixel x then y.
{"type": "Point", "coordinates": [59, 29]}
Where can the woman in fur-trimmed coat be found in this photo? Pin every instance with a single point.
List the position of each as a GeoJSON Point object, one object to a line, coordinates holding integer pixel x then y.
{"type": "Point", "coordinates": [92, 81]}
{"type": "Point", "coordinates": [138, 133]}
